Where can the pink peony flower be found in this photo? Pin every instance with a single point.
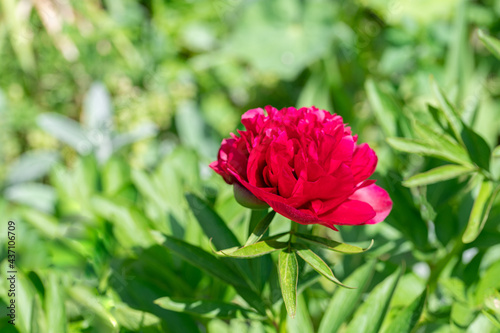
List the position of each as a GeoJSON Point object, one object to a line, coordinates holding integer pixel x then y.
{"type": "Point", "coordinates": [306, 165]}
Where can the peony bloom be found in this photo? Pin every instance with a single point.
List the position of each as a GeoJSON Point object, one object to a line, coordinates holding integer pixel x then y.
{"type": "Point", "coordinates": [306, 165]}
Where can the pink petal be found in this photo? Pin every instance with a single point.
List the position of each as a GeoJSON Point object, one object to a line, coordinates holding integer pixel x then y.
{"type": "Point", "coordinates": [351, 212]}
{"type": "Point", "coordinates": [377, 198]}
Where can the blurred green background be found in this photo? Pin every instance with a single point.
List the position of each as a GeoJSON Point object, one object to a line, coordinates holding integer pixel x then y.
{"type": "Point", "coordinates": [110, 111]}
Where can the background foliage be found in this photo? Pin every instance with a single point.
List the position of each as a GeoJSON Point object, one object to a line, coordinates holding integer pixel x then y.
{"type": "Point", "coordinates": [110, 112]}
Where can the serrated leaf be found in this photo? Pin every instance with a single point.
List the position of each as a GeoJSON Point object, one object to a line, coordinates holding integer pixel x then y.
{"type": "Point", "coordinates": [407, 319]}
{"type": "Point", "coordinates": [319, 265]}
{"type": "Point", "coordinates": [491, 43]}
{"type": "Point", "coordinates": [479, 212]}
{"type": "Point", "coordinates": [331, 244]}
{"type": "Point", "coordinates": [254, 250]}
{"type": "Point", "coordinates": [206, 309]}
{"type": "Point", "coordinates": [288, 274]}
{"type": "Point", "coordinates": [260, 228]}
{"type": "Point", "coordinates": [422, 148]}
{"type": "Point", "coordinates": [370, 315]}
{"type": "Point", "coordinates": [436, 175]}
{"type": "Point", "coordinates": [344, 300]}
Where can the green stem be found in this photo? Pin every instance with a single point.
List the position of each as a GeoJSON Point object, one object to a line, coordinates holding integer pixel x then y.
{"type": "Point", "coordinates": [294, 227]}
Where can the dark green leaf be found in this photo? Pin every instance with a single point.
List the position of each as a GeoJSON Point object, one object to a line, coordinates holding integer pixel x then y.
{"type": "Point", "coordinates": [213, 226]}
{"type": "Point", "coordinates": [479, 150]}
{"type": "Point", "coordinates": [331, 245]}
{"type": "Point", "coordinates": [436, 175]}
{"type": "Point", "coordinates": [203, 260]}
{"type": "Point", "coordinates": [288, 273]}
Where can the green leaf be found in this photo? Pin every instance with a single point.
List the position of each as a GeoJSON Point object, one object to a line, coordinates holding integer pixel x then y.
{"type": "Point", "coordinates": [203, 260]}
{"type": "Point", "coordinates": [254, 250]}
{"type": "Point", "coordinates": [31, 165]}
{"type": "Point", "coordinates": [302, 323]}
{"type": "Point", "coordinates": [491, 43]}
{"type": "Point", "coordinates": [211, 223]}
{"type": "Point", "coordinates": [67, 130]}
{"type": "Point", "coordinates": [422, 148]}
{"type": "Point", "coordinates": [448, 111]}
{"type": "Point", "coordinates": [319, 265]}
{"type": "Point", "coordinates": [330, 244]}
{"type": "Point", "coordinates": [260, 228]}
{"type": "Point", "coordinates": [130, 227]}
{"type": "Point", "coordinates": [436, 175]}
{"type": "Point", "coordinates": [479, 214]}
{"type": "Point", "coordinates": [206, 309]}
{"type": "Point", "coordinates": [344, 300]}
{"type": "Point", "coordinates": [477, 147]}
{"type": "Point", "coordinates": [370, 315]}
{"type": "Point", "coordinates": [384, 107]}
{"type": "Point", "coordinates": [132, 319]}
{"type": "Point", "coordinates": [408, 318]}
{"type": "Point", "coordinates": [54, 304]}
{"type": "Point", "coordinates": [496, 152]}
{"type": "Point", "coordinates": [97, 108]}
{"type": "Point", "coordinates": [442, 142]}
{"type": "Point", "coordinates": [288, 273]}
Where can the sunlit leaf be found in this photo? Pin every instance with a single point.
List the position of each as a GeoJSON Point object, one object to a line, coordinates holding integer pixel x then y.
{"type": "Point", "coordinates": [423, 148]}
{"type": "Point", "coordinates": [331, 244]}
{"type": "Point", "coordinates": [254, 250]}
{"type": "Point", "coordinates": [438, 174]}
{"type": "Point", "coordinates": [319, 265]}
{"type": "Point", "coordinates": [206, 309]}
{"type": "Point", "coordinates": [480, 211]}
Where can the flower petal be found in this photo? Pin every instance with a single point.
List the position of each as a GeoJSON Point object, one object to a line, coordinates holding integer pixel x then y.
{"type": "Point", "coordinates": [377, 198]}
